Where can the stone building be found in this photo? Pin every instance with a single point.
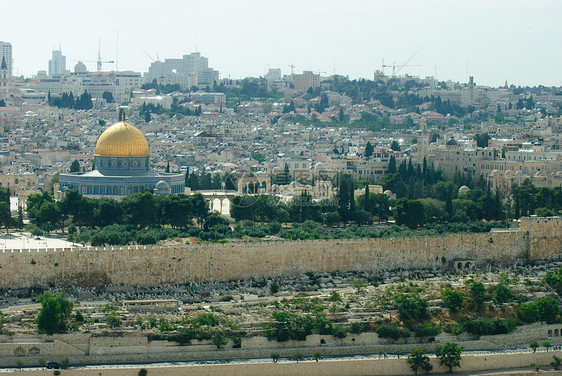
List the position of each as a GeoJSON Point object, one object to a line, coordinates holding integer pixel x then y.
{"type": "Point", "coordinates": [121, 167]}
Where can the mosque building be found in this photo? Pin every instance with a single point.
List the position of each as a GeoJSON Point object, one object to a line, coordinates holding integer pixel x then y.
{"type": "Point", "coordinates": [121, 167]}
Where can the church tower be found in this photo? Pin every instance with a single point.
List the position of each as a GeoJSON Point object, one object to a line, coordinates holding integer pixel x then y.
{"type": "Point", "coordinates": [3, 79]}
{"type": "Point", "coordinates": [423, 140]}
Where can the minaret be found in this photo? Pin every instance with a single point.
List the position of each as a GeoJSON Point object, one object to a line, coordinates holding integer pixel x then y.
{"type": "Point", "coordinates": [3, 79]}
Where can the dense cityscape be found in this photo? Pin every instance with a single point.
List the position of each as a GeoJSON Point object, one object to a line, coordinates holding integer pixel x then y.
{"type": "Point", "coordinates": [413, 216]}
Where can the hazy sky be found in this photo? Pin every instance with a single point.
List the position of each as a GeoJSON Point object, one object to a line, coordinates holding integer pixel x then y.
{"type": "Point", "coordinates": [493, 40]}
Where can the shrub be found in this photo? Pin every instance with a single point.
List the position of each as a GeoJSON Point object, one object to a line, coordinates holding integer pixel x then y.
{"type": "Point", "coordinates": [427, 330]}
{"type": "Point", "coordinates": [65, 362]}
{"type": "Point", "coordinates": [556, 362]}
{"type": "Point", "coordinates": [113, 321]}
{"type": "Point", "coordinates": [79, 317]}
{"type": "Point", "coordinates": [356, 327]}
{"type": "Point", "coordinates": [274, 287]}
{"type": "Point", "coordinates": [453, 299]}
{"type": "Point", "coordinates": [219, 340]}
{"type": "Point", "coordinates": [274, 356]}
{"type": "Point", "coordinates": [502, 293]}
{"type": "Point", "coordinates": [392, 331]}
{"type": "Point", "coordinates": [456, 329]}
{"type": "Point", "coordinates": [339, 332]}
{"type": "Point", "coordinates": [485, 326]}
{"type": "Point", "coordinates": [36, 231]}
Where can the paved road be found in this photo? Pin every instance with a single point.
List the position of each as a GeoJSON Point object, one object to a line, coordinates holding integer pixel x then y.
{"type": "Point", "coordinates": [268, 360]}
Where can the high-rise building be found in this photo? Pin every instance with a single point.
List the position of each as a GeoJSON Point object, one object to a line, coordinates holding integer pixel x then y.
{"type": "Point", "coordinates": [192, 69]}
{"type": "Point", "coordinates": [6, 53]}
{"type": "Point", "coordinates": [274, 74]}
{"type": "Point", "coordinates": [57, 64]}
{"type": "Point", "coordinates": [306, 80]}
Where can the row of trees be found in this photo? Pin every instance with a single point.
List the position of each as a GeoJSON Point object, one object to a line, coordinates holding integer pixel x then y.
{"type": "Point", "coordinates": [138, 209]}
{"type": "Point", "coordinates": [83, 102]}
{"type": "Point", "coordinates": [529, 200]}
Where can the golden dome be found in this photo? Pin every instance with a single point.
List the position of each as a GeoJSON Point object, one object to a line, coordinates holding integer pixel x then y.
{"type": "Point", "coordinates": [122, 140]}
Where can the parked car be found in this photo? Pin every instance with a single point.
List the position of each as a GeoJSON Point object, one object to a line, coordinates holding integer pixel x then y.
{"type": "Point", "coordinates": [54, 365]}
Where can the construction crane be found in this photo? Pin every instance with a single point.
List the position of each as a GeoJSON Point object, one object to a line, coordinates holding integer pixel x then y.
{"type": "Point", "coordinates": [394, 66]}
{"type": "Point", "coordinates": [151, 58]}
{"type": "Point", "coordinates": [292, 68]}
{"type": "Point", "coordinates": [99, 61]}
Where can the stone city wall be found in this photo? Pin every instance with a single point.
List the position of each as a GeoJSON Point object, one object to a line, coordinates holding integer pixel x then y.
{"type": "Point", "coordinates": [158, 265]}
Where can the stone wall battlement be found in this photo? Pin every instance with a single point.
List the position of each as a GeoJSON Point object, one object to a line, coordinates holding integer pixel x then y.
{"type": "Point", "coordinates": [537, 239]}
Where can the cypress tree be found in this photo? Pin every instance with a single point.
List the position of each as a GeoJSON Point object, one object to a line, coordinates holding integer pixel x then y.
{"type": "Point", "coordinates": [392, 165]}
{"type": "Point", "coordinates": [367, 205]}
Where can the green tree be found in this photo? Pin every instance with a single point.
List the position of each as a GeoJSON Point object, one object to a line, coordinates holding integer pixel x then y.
{"type": "Point", "coordinates": [345, 197]}
{"type": "Point", "coordinates": [482, 140]}
{"type": "Point", "coordinates": [113, 321]}
{"type": "Point", "coordinates": [502, 293]}
{"type": "Point", "coordinates": [534, 345]}
{"type": "Point", "coordinates": [478, 294]}
{"type": "Point", "coordinates": [409, 212]}
{"type": "Point", "coordinates": [139, 209]}
{"type": "Point", "coordinates": [369, 149]}
{"type": "Point", "coordinates": [219, 340]}
{"type": "Point", "coordinates": [392, 165]}
{"type": "Point", "coordinates": [54, 314]}
{"type": "Point", "coordinates": [274, 356]}
{"type": "Point", "coordinates": [528, 313]}
{"type": "Point", "coordinates": [411, 306]}
{"type": "Point", "coordinates": [258, 157]}
{"type": "Point", "coordinates": [317, 355]}
{"type": "Point", "coordinates": [395, 146]}
{"type": "Point", "coordinates": [418, 359]}
{"type": "Point", "coordinates": [297, 355]}
{"type": "Point", "coordinates": [548, 309]}
{"type": "Point", "coordinates": [5, 215]}
{"type": "Point", "coordinates": [75, 166]}
{"type": "Point", "coordinates": [108, 96]}
{"type": "Point", "coordinates": [554, 280]}
{"type": "Point", "coordinates": [358, 284]}
{"type": "Point", "coordinates": [108, 212]}
{"type": "Point", "coordinates": [449, 354]}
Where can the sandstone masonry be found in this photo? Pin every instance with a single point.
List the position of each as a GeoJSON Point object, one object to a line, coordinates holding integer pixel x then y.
{"type": "Point", "coordinates": [537, 239]}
